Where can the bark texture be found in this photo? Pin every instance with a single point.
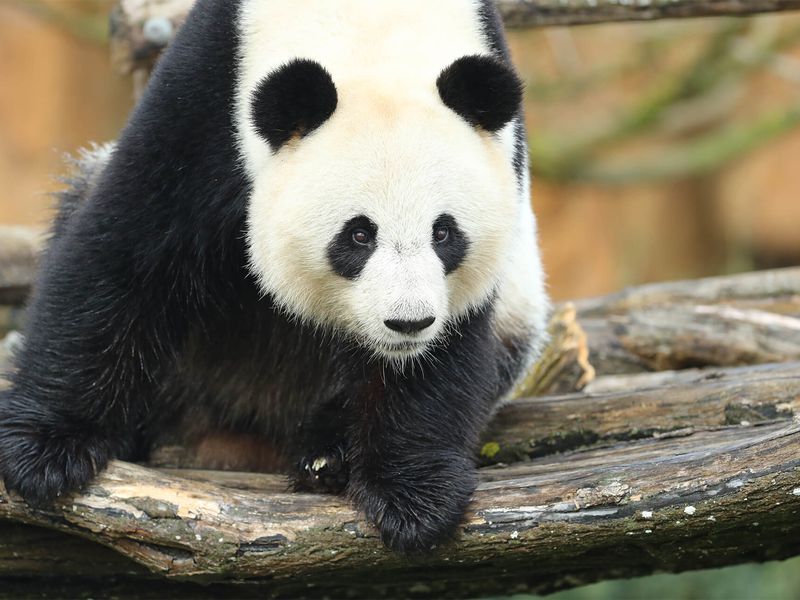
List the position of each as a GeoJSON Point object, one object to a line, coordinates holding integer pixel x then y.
{"type": "Point", "coordinates": [710, 499]}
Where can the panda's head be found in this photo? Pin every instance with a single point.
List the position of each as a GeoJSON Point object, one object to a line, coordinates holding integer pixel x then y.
{"type": "Point", "coordinates": [379, 210]}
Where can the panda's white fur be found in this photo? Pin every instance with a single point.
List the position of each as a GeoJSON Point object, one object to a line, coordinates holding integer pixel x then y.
{"type": "Point", "coordinates": [391, 151]}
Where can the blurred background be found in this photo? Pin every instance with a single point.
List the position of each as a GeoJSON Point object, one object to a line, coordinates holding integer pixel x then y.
{"type": "Point", "coordinates": [659, 151]}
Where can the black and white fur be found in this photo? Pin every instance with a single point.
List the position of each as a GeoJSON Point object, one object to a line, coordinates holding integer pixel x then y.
{"type": "Point", "coordinates": [314, 229]}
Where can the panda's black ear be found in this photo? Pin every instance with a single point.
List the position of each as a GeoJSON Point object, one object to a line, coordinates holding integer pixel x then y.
{"type": "Point", "coordinates": [483, 90]}
{"type": "Point", "coordinates": [293, 101]}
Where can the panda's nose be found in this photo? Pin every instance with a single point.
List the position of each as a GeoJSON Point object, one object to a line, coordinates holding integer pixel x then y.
{"type": "Point", "coordinates": [409, 326]}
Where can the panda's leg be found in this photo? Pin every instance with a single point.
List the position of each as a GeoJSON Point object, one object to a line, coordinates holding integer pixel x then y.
{"type": "Point", "coordinates": [104, 324]}
{"type": "Point", "coordinates": [414, 440]}
{"type": "Point", "coordinates": [321, 450]}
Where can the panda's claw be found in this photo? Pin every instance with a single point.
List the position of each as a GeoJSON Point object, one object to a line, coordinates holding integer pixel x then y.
{"type": "Point", "coordinates": [323, 472]}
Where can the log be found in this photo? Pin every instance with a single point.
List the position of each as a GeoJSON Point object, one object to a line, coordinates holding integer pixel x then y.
{"type": "Point", "coordinates": [706, 494]}
{"type": "Point", "coordinates": [19, 253]}
{"type": "Point", "coordinates": [750, 318]}
{"type": "Point", "coordinates": [564, 365]}
{"type": "Point", "coordinates": [712, 499]}
{"type": "Point", "coordinates": [651, 406]}
{"type": "Point", "coordinates": [666, 338]}
{"type": "Point", "coordinates": [140, 29]}
{"type": "Point", "coordinates": [776, 291]}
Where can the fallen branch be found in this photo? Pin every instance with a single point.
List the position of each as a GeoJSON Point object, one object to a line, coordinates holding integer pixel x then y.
{"type": "Point", "coordinates": [721, 321]}
{"type": "Point", "coordinates": [135, 46]}
{"type": "Point", "coordinates": [775, 291]}
{"type": "Point", "coordinates": [672, 335]}
{"type": "Point", "coordinates": [658, 504]}
{"type": "Point", "coordinates": [641, 407]}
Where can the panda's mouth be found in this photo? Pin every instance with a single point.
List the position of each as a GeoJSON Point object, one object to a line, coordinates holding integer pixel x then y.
{"type": "Point", "coordinates": [400, 346]}
{"type": "Point", "coordinates": [401, 349]}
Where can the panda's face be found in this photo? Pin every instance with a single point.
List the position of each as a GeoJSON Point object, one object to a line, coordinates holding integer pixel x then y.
{"type": "Point", "coordinates": [388, 223]}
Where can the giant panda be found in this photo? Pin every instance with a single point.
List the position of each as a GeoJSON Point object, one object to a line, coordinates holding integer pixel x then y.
{"type": "Point", "coordinates": [314, 231]}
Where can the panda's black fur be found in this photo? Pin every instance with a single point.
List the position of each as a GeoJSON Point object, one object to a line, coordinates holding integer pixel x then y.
{"type": "Point", "coordinates": [146, 326]}
{"type": "Point", "coordinates": [293, 101]}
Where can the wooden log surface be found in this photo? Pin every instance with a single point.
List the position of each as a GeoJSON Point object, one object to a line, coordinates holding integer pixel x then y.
{"type": "Point", "coordinates": [776, 291]}
{"type": "Point", "coordinates": [708, 454]}
{"type": "Point", "coordinates": [642, 407]}
{"type": "Point", "coordinates": [141, 28]}
{"type": "Point", "coordinates": [715, 498]}
{"type": "Point", "coordinates": [545, 13]}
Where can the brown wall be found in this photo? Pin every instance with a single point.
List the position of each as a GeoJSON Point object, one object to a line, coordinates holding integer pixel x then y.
{"type": "Point", "coordinates": [57, 93]}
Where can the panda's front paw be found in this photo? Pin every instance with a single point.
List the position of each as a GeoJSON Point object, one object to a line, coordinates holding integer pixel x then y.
{"type": "Point", "coordinates": [417, 515]}
{"type": "Point", "coordinates": [323, 471]}
{"type": "Point", "coordinates": [41, 468]}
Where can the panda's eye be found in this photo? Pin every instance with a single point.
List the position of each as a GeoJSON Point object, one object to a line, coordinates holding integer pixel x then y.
{"type": "Point", "coordinates": [362, 237]}
{"type": "Point", "coordinates": [441, 234]}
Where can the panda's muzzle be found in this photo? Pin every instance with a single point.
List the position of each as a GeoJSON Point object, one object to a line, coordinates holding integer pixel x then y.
{"type": "Point", "coordinates": [409, 327]}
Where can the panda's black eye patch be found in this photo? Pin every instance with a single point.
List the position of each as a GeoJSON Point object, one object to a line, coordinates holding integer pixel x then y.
{"type": "Point", "coordinates": [351, 248]}
{"type": "Point", "coordinates": [293, 101]}
{"type": "Point", "coordinates": [450, 243]}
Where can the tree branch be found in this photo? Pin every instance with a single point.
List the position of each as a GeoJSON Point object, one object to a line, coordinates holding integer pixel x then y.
{"type": "Point", "coordinates": [545, 13]}
{"type": "Point", "coordinates": [545, 525]}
